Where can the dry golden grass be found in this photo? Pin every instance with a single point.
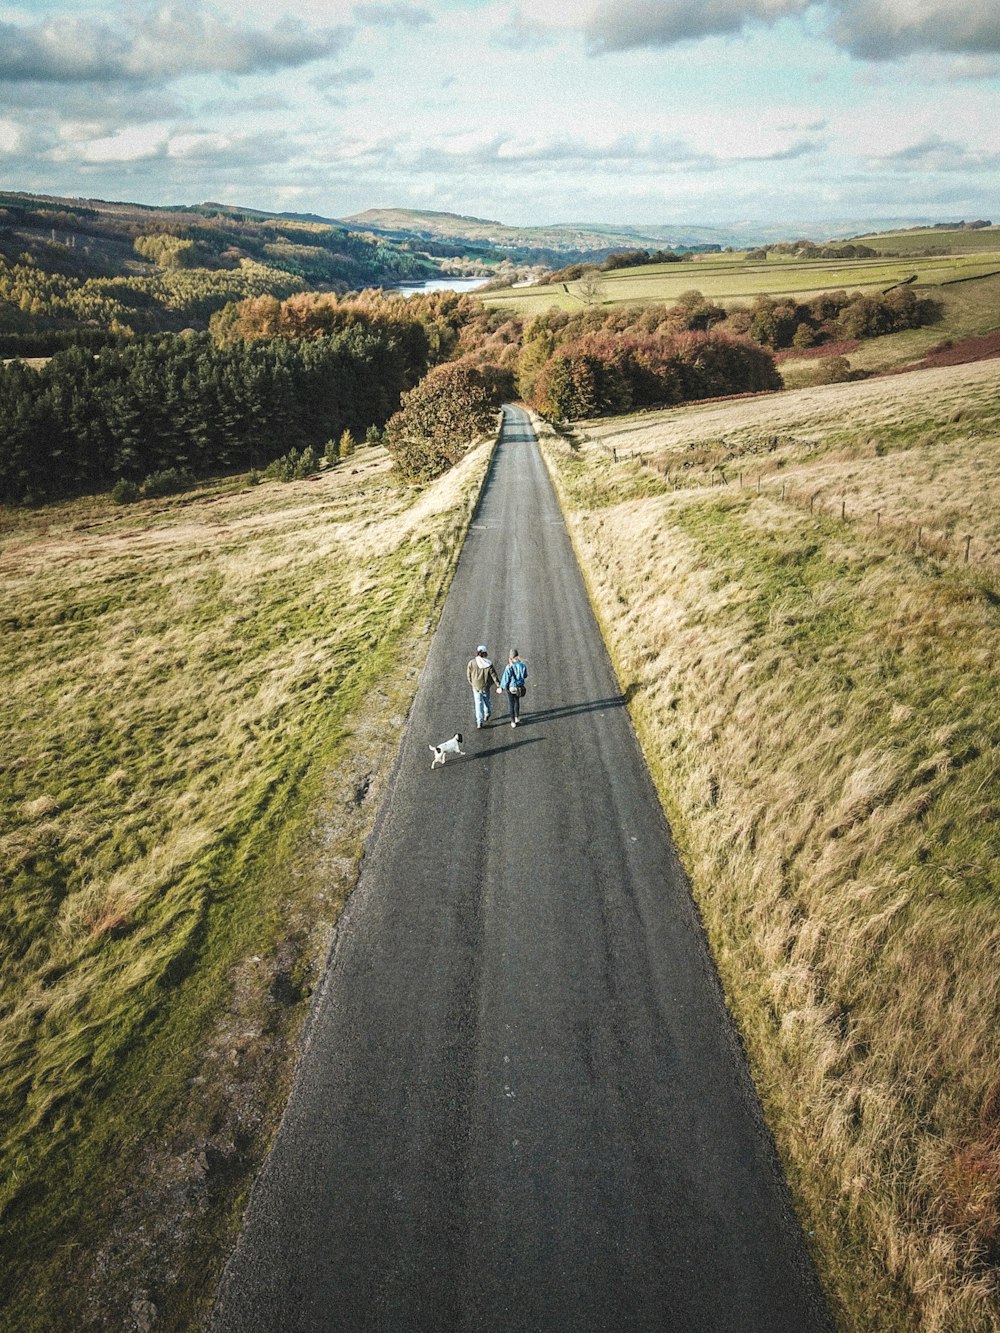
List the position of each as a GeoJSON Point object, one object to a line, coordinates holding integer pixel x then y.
{"type": "Point", "coordinates": [821, 711]}
{"type": "Point", "coordinates": [837, 448]}
{"type": "Point", "coordinates": [179, 677]}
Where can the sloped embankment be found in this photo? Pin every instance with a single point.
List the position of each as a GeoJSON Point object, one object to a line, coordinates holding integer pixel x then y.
{"type": "Point", "coordinates": [202, 700]}
{"type": "Point", "coordinates": [817, 691]}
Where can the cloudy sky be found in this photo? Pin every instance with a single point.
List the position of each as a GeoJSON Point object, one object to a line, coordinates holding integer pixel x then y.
{"type": "Point", "coordinates": [643, 111]}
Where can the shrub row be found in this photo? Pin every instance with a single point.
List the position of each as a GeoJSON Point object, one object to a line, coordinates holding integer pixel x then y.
{"type": "Point", "coordinates": [605, 373]}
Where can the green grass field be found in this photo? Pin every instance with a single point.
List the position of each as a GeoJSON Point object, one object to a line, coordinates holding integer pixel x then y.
{"type": "Point", "coordinates": [733, 279]}
{"type": "Point", "coordinates": [812, 669]}
{"type": "Point", "coordinates": [968, 310]}
{"type": "Point", "coordinates": [954, 241]}
{"type": "Point", "coordinates": [201, 697]}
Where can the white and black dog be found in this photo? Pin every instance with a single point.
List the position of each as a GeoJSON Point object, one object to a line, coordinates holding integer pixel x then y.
{"type": "Point", "coordinates": [442, 751]}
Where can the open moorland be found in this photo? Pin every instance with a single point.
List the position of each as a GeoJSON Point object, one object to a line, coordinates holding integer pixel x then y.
{"type": "Point", "coordinates": [202, 696]}
{"type": "Point", "coordinates": [737, 277]}
{"type": "Point", "coordinates": [801, 594]}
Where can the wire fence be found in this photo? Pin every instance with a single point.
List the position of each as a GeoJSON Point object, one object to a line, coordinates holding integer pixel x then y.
{"type": "Point", "coordinates": [919, 535]}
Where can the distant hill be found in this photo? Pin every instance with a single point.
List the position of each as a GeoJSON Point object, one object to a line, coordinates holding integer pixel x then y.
{"type": "Point", "coordinates": [550, 245]}
{"type": "Point", "coordinates": [563, 243]}
{"type": "Point", "coordinates": [95, 238]}
{"type": "Point", "coordinates": [88, 269]}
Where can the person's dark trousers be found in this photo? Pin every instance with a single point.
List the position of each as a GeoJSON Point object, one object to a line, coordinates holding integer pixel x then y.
{"type": "Point", "coordinates": [515, 706]}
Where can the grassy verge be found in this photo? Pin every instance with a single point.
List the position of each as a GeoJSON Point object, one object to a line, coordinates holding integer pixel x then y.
{"type": "Point", "coordinates": [202, 700]}
{"type": "Point", "coordinates": [820, 707]}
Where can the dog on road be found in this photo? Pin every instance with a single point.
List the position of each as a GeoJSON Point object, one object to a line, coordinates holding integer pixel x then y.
{"type": "Point", "coordinates": [442, 751]}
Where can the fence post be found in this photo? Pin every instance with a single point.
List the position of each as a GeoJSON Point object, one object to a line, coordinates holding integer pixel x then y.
{"type": "Point", "coordinates": [843, 510]}
{"type": "Point", "coordinates": [741, 481]}
{"type": "Point", "coordinates": [758, 483]}
{"type": "Point", "coordinates": [812, 502]}
{"type": "Point", "coordinates": [968, 543]}
{"type": "Point", "coordinates": [878, 519]}
{"type": "Point", "coordinates": [614, 454]}
{"type": "Point", "coordinates": [920, 528]}
{"type": "Point", "coordinates": [783, 490]}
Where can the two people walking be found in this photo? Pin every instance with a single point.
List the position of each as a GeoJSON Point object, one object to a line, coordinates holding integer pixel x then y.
{"type": "Point", "coordinates": [481, 673]}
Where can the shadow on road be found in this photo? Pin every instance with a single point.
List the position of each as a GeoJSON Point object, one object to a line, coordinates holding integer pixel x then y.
{"type": "Point", "coordinates": [500, 749]}
{"type": "Point", "coordinates": [571, 710]}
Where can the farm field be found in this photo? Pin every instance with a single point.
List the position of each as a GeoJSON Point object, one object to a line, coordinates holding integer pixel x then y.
{"type": "Point", "coordinates": [202, 698]}
{"type": "Point", "coordinates": [819, 700]}
{"type": "Point", "coordinates": [955, 241]}
{"type": "Point", "coordinates": [729, 279]}
{"type": "Point", "coordinates": [967, 310]}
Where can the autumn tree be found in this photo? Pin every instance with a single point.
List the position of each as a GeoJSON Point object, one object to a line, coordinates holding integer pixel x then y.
{"type": "Point", "coordinates": [440, 418]}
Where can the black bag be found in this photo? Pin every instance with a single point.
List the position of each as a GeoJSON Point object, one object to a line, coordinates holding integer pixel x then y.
{"type": "Point", "coordinates": [519, 690]}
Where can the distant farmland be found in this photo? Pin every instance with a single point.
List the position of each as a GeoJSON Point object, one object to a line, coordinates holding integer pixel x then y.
{"type": "Point", "coordinates": [957, 242]}
{"type": "Point", "coordinates": [733, 278]}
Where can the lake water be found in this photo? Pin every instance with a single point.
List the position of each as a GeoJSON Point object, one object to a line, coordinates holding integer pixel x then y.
{"type": "Point", "coordinates": [441, 285]}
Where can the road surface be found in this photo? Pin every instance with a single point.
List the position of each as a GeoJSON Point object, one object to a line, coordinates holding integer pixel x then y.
{"type": "Point", "coordinates": [522, 1105]}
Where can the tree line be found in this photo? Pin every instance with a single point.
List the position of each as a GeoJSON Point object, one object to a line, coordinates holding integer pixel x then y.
{"type": "Point", "coordinates": [270, 377]}
{"type": "Point", "coordinates": [159, 404]}
{"type": "Point", "coordinates": [274, 375]}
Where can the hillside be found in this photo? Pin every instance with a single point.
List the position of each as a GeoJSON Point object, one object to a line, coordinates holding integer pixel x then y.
{"type": "Point", "coordinates": [800, 594]}
{"type": "Point", "coordinates": [203, 698]}
{"type": "Point", "coordinates": [71, 264]}
{"type": "Point", "coordinates": [96, 238]}
{"type": "Point", "coordinates": [564, 243]}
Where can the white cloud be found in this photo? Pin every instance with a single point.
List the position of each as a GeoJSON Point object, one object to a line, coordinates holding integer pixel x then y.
{"type": "Point", "coordinates": [170, 41]}
{"type": "Point", "coordinates": [868, 29]}
{"type": "Point", "coordinates": [132, 145]}
{"type": "Point", "coordinates": [13, 138]}
{"type": "Point", "coordinates": [937, 155]}
{"type": "Point", "coordinates": [888, 29]}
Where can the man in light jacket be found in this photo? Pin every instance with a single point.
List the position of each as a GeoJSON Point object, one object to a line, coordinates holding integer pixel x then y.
{"type": "Point", "coordinates": [480, 672]}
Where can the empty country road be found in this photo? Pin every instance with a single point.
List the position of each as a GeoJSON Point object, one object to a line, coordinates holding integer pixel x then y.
{"type": "Point", "coordinates": [522, 1105]}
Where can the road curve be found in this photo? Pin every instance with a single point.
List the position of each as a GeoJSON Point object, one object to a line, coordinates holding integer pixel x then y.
{"type": "Point", "coordinates": [522, 1105]}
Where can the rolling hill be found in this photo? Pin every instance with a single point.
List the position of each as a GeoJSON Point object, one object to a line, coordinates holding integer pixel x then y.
{"type": "Point", "coordinates": [563, 243]}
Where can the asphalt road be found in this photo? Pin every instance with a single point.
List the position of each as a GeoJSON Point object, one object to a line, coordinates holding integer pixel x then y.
{"type": "Point", "coordinates": [522, 1105]}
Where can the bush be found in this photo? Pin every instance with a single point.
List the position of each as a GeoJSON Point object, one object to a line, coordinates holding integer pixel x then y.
{"type": "Point", "coordinates": [308, 463]}
{"type": "Point", "coordinates": [441, 417]}
{"type": "Point", "coordinates": [283, 468]}
{"type": "Point", "coordinates": [293, 466]}
{"type": "Point", "coordinates": [169, 481]}
{"type": "Point", "coordinates": [834, 370]}
{"type": "Point", "coordinates": [125, 492]}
